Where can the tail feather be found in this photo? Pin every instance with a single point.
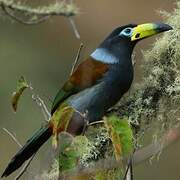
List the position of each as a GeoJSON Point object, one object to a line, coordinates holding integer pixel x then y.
{"type": "Point", "coordinates": [31, 147]}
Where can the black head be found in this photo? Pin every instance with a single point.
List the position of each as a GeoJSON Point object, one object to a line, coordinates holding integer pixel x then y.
{"type": "Point", "coordinates": [134, 32]}
{"type": "Point", "coordinates": [121, 41]}
{"type": "Point", "coordinates": [120, 35]}
{"type": "Point", "coordinates": [127, 29]}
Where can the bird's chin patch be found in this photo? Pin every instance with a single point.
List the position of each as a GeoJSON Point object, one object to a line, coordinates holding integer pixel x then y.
{"type": "Point", "coordinates": [101, 54]}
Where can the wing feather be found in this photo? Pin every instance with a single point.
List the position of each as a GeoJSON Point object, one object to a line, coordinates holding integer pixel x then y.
{"type": "Point", "coordinates": [86, 75]}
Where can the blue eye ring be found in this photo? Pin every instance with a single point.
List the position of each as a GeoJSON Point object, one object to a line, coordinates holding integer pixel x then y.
{"type": "Point", "coordinates": [126, 32]}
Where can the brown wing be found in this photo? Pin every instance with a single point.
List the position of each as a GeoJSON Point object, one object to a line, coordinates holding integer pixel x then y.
{"type": "Point", "coordinates": [86, 75]}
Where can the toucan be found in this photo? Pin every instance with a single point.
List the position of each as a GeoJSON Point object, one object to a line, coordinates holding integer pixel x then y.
{"type": "Point", "coordinates": [96, 85]}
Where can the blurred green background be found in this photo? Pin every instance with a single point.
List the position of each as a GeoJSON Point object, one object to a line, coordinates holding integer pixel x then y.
{"type": "Point", "coordinates": [44, 54]}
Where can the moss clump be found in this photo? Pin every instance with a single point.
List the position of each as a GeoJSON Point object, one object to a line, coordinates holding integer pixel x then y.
{"type": "Point", "coordinates": [98, 145]}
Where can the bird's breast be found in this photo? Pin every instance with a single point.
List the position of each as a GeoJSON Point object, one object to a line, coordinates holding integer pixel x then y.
{"type": "Point", "coordinates": [97, 99]}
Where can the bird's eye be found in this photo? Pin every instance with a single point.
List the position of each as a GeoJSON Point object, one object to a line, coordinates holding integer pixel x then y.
{"type": "Point", "coordinates": [126, 32]}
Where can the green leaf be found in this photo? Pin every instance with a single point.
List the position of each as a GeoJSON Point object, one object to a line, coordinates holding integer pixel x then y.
{"type": "Point", "coordinates": [121, 135]}
{"type": "Point", "coordinates": [21, 86]}
{"type": "Point", "coordinates": [71, 148]}
{"type": "Point", "coordinates": [67, 154]}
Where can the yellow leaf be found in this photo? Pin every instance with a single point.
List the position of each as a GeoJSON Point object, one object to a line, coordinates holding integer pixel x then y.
{"type": "Point", "coordinates": [60, 121]}
{"type": "Point", "coordinates": [21, 86]}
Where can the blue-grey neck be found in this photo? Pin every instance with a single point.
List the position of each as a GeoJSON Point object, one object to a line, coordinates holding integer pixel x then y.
{"type": "Point", "coordinates": [103, 55]}
{"type": "Point", "coordinates": [114, 51]}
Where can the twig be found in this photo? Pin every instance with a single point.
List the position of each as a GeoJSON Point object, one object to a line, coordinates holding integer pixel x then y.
{"type": "Point", "coordinates": [130, 175]}
{"type": "Point", "coordinates": [24, 169]}
{"type": "Point", "coordinates": [95, 123]}
{"type": "Point", "coordinates": [76, 59]}
{"type": "Point", "coordinates": [42, 106]}
{"type": "Point", "coordinates": [12, 137]}
{"type": "Point", "coordinates": [48, 98]}
{"type": "Point", "coordinates": [86, 123]}
{"type": "Point", "coordinates": [76, 32]}
{"type": "Point", "coordinates": [129, 171]}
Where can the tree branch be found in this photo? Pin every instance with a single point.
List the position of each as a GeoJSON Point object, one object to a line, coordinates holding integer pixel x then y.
{"type": "Point", "coordinates": [58, 9]}
{"type": "Point", "coordinates": [143, 154]}
{"type": "Point", "coordinates": [9, 12]}
{"type": "Point", "coordinates": [31, 16]}
{"type": "Point", "coordinates": [12, 137]}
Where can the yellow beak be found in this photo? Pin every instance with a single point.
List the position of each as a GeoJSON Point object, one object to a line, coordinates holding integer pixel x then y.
{"type": "Point", "coordinates": [149, 29]}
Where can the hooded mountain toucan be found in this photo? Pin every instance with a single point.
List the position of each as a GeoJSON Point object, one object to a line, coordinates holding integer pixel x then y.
{"type": "Point", "coordinates": [97, 84]}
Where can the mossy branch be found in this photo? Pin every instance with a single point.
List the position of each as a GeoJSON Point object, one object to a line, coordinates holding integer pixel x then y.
{"type": "Point", "coordinates": [60, 8]}
{"type": "Point", "coordinates": [110, 163]}
{"type": "Point", "coordinates": [28, 15]}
